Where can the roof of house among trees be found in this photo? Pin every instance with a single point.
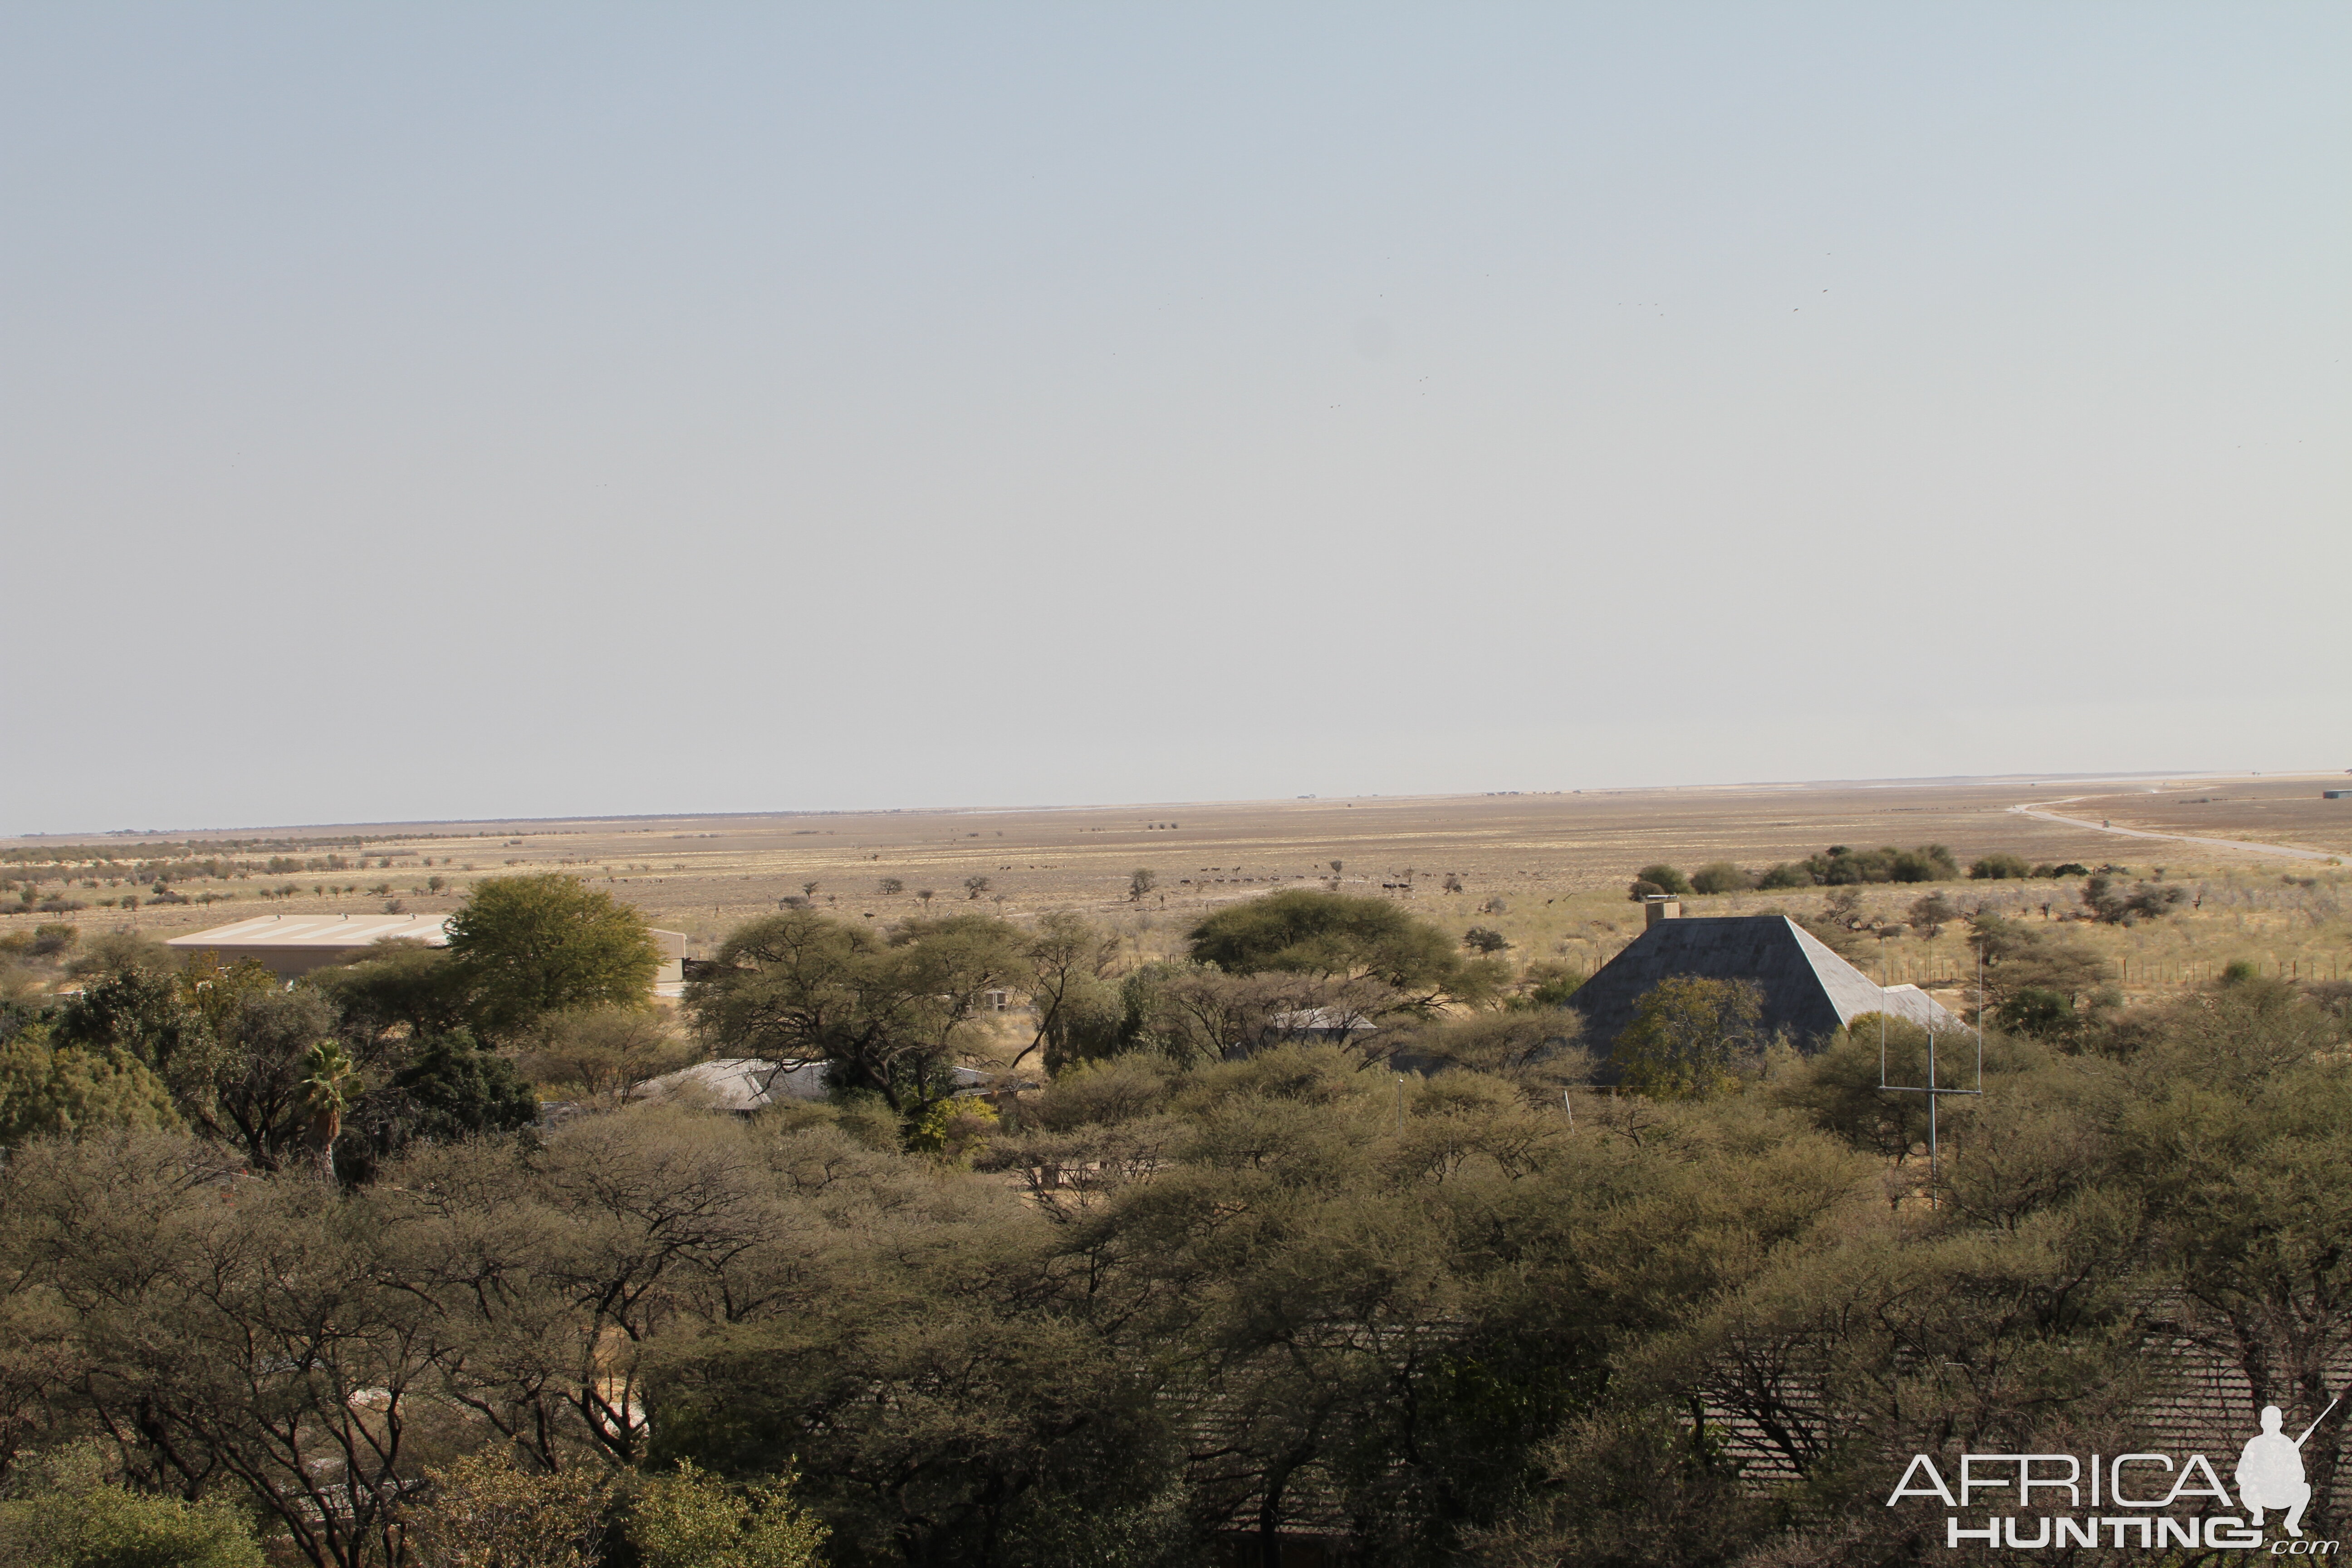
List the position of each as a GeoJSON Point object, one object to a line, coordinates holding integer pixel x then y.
{"type": "Point", "coordinates": [745, 1084]}
{"type": "Point", "coordinates": [741, 1084]}
{"type": "Point", "coordinates": [1808, 991]}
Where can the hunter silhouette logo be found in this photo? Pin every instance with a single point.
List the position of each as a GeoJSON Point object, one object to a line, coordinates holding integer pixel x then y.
{"type": "Point", "coordinates": [2153, 1501]}
{"type": "Point", "coordinates": [2269, 1470]}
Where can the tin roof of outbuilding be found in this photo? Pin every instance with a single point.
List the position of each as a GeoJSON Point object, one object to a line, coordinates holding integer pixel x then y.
{"type": "Point", "coordinates": [318, 932]}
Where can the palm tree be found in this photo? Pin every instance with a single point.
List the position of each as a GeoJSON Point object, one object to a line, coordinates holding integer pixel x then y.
{"type": "Point", "coordinates": [329, 1076]}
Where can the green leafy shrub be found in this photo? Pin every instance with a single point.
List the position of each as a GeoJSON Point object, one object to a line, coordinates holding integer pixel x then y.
{"type": "Point", "coordinates": [955, 1129]}
{"type": "Point", "coordinates": [1306, 933]}
{"type": "Point", "coordinates": [455, 1090]}
{"type": "Point", "coordinates": [1687, 1037]}
{"type": "Point", "coordinates": [691, 1518]}
{"type": "Point", "coordinates": [2042, 1013]}
{"type": "Point", "coordinates": [1549, 985]}
{"type": "Point", "coordinates": [1930, 915]}
{"type": "Point", "coordinates": [68, 1090]}
{"type": "Point", "coordinates": [1842, 866]}
{"type": "Point", "coordinates": [64, 1512]}
{"type": "Point", "coordinates": [528, 945]}
{"type": "Point", "coordinates": [488, 1512]}
{"type": "Point", "coordinates": [2144, 901]}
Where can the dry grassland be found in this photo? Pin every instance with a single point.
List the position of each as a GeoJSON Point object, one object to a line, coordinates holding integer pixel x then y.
{"type": "Point", "coordinates": [1548, 871]}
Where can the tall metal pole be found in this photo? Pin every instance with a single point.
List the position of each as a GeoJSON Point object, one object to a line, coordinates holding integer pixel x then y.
{"type": "Point", "coordinates": [1935, 1155]}
{"type": "Point", "coordinates": [1932, 1088]}
{"type": "Point", "coordinates": [1980, 1020]}
{"type": "Point", "coordinates": [1882, 1014]}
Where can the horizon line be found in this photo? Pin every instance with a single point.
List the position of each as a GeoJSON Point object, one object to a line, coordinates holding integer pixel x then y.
{"type": "Point", "coordinates": [1915, 782]}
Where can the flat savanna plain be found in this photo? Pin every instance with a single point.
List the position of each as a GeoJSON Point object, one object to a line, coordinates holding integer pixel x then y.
{"type": "Point", "coordinates": [1548, 871]}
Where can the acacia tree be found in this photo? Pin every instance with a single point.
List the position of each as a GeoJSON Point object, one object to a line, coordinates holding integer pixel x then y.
{"type": "Point", "coordinates": [599, 1054]}
{"type": "Point", "coordinates": [1339, 936]}
{"type": "Point", "coordinates": [561, 1270]}
{"type": "Point", "coordinates": [1069, 959]}
{"type": "Point", "coordinates": [2019, 958]}
{"type": "Point", "coordinates": [888, 1013]}
{"type": "Point", "coordinates": [523, 946]}
{"type": "Point", "coordinates": [1686, 1036]}
{"type": "Point", "coordinates": [1194, 1013]}
{"type": "Point", "coordinates": [2236, 1139]}
{"type": "Point", "coordinates": [1236, 1293]}
{"type": "Point", "coordinates": [692, 1520]}
{"type": "Point", "coordinates": [140, 1013]}
{"type": "Point", "coordinates": [399, 989]}
{"type": "Point", "coordinates": [251, 1087]}
{"type": "Point", "coordinates": [260, 1345]}
{"type": "Point", "coordinates": [485, 1511]}
{"type": "Point", "coordinates": [1930, 915]}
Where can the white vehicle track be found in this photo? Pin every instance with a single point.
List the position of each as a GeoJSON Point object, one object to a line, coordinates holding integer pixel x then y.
{"type": "Point", "coordinates": [2038, 814]}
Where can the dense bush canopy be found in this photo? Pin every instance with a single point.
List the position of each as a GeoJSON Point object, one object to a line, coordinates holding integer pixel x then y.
{"type": "Point", "coordinates": [886, 1010]}
{"type": "Point", "coordinates": [1337, 935]}
{"type": "Point", "coordinates": [1294, 1240]}
{"type": "Point", "coordinates": [1664, 878]}
{"type": "Point", "coordinates": [1251, 1295]}
{"type": "Point", "coordinates": [1720, 877]}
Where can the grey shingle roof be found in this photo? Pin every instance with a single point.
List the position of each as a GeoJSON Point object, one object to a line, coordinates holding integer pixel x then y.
{"type": "Point", "coordinates": [1808, 991]}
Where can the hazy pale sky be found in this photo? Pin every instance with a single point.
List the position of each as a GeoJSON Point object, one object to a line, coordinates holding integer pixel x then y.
{"type": "Point", "coordinates": [433, 411]}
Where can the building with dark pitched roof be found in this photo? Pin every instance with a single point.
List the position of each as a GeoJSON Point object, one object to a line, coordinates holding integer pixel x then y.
{"type": "Point", "coordinates": [1810, 992]}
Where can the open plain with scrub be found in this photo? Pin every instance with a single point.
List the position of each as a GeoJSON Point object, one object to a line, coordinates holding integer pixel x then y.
{"type": "Point", "coordinates": [2258, 858]}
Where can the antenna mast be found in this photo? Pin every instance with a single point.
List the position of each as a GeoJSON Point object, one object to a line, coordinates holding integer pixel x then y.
{"type": "Point", "coordinates": [1931, 1089]}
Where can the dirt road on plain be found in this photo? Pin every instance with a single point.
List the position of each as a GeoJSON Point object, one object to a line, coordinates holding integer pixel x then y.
{"type": "Point", "coordinates": [2289, 852]}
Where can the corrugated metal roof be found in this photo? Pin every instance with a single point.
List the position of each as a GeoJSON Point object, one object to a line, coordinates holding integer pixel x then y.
{"type": "Point", "coordinates": [316, 931]}
{"type": "Point", "coordinates": [739, 1083]}
{"type": "Point", "coordinates": [1808, 991]}
{"type": "Point", "coordinates": [1775, 1424]}
{"type": "Point", "coordinates": [748, 1083]}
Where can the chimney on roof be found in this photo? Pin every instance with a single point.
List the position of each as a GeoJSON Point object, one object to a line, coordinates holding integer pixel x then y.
{"type": "Point", "coordinates": [1658, 907]}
